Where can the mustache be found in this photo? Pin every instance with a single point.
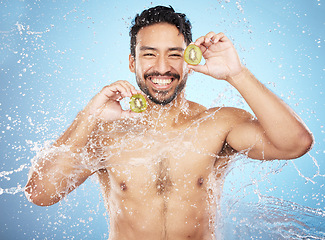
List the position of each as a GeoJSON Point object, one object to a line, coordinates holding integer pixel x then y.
{"type": "Point", "coordinates": [158, 74]}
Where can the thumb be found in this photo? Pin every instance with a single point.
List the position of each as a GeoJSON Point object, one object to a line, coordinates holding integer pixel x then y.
{"type": "Point", "coordinates": [199, 68]}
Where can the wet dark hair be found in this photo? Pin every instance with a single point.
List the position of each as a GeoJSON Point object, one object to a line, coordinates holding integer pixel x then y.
{"type": "Point", "coordinates": [160, 14]}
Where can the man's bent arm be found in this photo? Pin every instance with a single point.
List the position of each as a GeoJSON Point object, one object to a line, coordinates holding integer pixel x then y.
{"type": "Point", "coordinates": [278, 133]}
{"type": "Point", "coordinates": [67, 165]}
{"type": "Point", "coordinates": [62, 168]}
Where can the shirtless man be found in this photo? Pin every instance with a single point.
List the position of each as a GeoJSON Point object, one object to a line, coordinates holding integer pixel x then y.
{"type": "Point", "coordinates": [161, 171]}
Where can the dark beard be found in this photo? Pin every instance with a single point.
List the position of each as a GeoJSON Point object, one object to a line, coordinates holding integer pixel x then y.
{"type": "Point", "coordinates": [164, 102]}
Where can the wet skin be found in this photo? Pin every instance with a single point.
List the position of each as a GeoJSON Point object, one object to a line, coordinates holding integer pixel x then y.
{"type": "Point", "coordinates": [162, 171]}
{"type": "Point", "coordinates": [162, 182]}
{"type": "Point", "coordinates": [158, 170]}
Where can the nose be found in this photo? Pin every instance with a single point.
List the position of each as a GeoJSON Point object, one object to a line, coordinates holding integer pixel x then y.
{"type": "Point", "coordinates": [162, 65]}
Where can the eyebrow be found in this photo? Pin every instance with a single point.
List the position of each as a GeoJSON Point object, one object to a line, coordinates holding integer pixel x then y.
{"type": "Point", "coordinates": [144, 48]}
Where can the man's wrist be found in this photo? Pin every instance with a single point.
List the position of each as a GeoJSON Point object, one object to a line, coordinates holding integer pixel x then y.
{"type": "Point", "coordinates": [240, 76]}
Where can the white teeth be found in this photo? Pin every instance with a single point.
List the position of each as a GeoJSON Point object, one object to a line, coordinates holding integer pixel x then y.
{"type": "Point", "coordinates": [160, 81]}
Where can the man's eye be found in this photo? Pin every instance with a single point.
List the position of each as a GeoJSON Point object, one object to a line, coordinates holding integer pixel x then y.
{"type": "Point", "coordinates": [148, 55]}
{"type": "Point", "coordinates": [175, 55]}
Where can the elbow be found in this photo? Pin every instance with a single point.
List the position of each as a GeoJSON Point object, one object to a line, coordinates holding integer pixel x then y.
{"type": "Point", "coordinates": [38, 196]}
{"type": "Point", "coordinates": [32, 196]}
{"type": "Point", "coordinates": [296, 146]}
{"type": "Point", "coordinates": [40, 192]}
{"type": "Point", "coordinates": [307, 141]}
{"type": "Point", "coordinates": [304, 143]}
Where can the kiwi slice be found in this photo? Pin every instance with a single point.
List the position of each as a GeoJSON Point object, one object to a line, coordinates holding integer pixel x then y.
{"type": "Point", "coordinates": [138, 103]}
{"type": "Point", "coordinates": [192, 54]}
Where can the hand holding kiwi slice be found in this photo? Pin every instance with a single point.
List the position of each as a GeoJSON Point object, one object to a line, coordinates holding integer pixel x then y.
{"type": "Point", "coordinates": [138, 103]}
{"type": "Point", "coordinates": [192, 54]}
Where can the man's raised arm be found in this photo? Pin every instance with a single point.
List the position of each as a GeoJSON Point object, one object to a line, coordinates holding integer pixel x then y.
{"type": "Point", "coordinates": [66, 165]}
{"type": "Point", "coordinates": [276, 132]}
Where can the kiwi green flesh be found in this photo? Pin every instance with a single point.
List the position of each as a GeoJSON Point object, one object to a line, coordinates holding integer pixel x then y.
{"type": "Point", "coordinates": [138, 103]}
{"type": "Point", "coordinates": [193, 55]}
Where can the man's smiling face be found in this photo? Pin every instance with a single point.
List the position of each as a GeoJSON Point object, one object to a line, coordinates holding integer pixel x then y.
{"type": "Point", "coordinates": [161, 72]}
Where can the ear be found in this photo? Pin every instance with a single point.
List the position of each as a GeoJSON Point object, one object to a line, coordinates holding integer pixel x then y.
{"type": "Point", "coordinates": [131, 63]}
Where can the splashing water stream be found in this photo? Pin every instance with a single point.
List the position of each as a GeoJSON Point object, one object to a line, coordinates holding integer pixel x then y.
{"type": "Point", "coordinates": [55, 56]}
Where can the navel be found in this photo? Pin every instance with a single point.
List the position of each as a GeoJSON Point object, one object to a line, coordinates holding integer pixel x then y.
{"type": "Point", "coordinates": [200, 181]}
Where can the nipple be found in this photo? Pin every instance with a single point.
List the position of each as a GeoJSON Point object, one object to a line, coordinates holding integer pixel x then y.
{"type": "Point", "coordinates": [200, 181]}
{"type": "Point", "coordinates": [123, 186]}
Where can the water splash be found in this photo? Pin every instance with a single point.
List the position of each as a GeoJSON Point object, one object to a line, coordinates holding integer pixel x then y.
{"type": "Point", "coordinates": [272, 218]}
{"type": "Point", "coordinates": [32, 50]}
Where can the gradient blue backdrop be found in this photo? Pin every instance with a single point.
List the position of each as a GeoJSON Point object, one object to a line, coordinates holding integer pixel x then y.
{"type": "Point", "coordinates": [55, 55]}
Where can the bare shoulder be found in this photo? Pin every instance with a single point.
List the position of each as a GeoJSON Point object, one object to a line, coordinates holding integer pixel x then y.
{"type": "Point", "coordinates": [195, 109]}
{"type": "Point", "coordinates": [231, 114]}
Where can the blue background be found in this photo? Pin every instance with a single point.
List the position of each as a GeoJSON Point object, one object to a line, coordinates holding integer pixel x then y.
{"type": "Point", "coordinates": [55, 55]}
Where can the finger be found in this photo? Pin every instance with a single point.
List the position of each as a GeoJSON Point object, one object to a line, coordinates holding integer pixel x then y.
{"type": "Point", "coordinates": [114, 91]}
{"type": "Point", "coordinates": [219, 37]}
{"type": "Point", "coordinates": [205, 42]}
{"type": "Point", "coordinates": [123, 88]}
{"type": "Point", "coordinates": [134, 90]}
{"type": "Point", "coordinates": [130, 88]}
{"type": "Point", "coordinates": [199, 41]}
{"type": "Point", "coordinates": [127, 88]}
{"type": "Point", "coordinates": [208, 38]}
{"type": "Point", "coordinates": [199, 68]}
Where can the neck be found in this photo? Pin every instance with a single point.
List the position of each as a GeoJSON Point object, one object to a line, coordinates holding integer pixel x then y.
{"type": "Point", "coordinates": [166, 115]}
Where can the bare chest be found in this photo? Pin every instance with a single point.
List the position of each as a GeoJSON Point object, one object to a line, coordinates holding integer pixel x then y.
{"type": "Point", "coordinates": [158, 163]}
